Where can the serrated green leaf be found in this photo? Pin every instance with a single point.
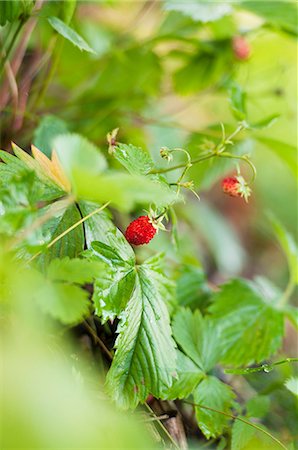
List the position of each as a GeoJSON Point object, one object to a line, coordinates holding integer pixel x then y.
{"type": "Point", "coordinates": [292, 385]}
{"type": "Point", "coordinates": [258, 406]}
{"type": "Point", "coordinates": [14, 170]}
{"type": "Point", "coordinates": [198, 337]}
{"type": "Point", "coordinates": [65, 302]}
{"type": "Point", "coordinates": [106, 253]}
{"type": "Point", "coordinates": [188, 377]}
{"type": "Point", "coordinates": [237, 101]}
{"type": "Point", "coordinates": [74, 270]}
{"type": "Point", "coordinates": [249, 329]}
{"type": "Point", "coordinates": [134, 159]}
{"type": "Point", "coordinates": [75, 152]}
{"type": "Point", "coordinates": [112, 291]}
{"type": "Point", "coordinates": [72, 244]}
{"type": "Point", "coordinates": [49, 127]}
{"type": "Point", "coordinates": [241, 435]}
{"type": "Point", "coordinates": [145, 359]}
{"type": "Point", "coordinates": [211, 392]}
{"type": "Point", "coordinates": [100, 227]}
{"type": "Point", "coordinates": [70, 34]}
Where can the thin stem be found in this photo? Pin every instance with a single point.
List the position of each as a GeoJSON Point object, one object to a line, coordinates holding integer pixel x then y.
{"type": "Point", "coordinates": [98, 340]}
{"type": "Point", "coordinates": [241, 158]}
{"type": "Point", "coordinates": [261, 368]}
{"type": "Point", "coordinates": [179, 166]}
{"type": "Point", "coordinates": [11, 44]}
{"type": "Point", "coordinates": [72, 227]}
{"type": "Point", "coordinates": [247, 422]}
{"type": "Point", "coordinates": [51, 212]}
{"type": "Point", "coordinates": [163, 427]}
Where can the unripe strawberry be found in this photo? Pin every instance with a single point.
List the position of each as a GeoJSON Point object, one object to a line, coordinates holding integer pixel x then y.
{"type": "Point", "coordinates": [236, 187]}
{"type": "Point", "coordinates": [241, 48]}
{"type": "Point", "coordinates": [140, 231]}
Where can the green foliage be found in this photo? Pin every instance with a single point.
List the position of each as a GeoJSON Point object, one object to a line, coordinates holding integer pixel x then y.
{"type": "Point", "coordinates": [241, 435]}
{"type": "Point", "coordinates": [49, 127]}
{"type": "Point", "coordinates": [71, 35]}
{"type": "Point", "coordinates": [292, 385]}
{"type": "Point", "coordinates": [283, 15]}
{"type": "Point", "coordinates": [258, 406]}
{"type": "Point", "coordinates": [198, 337]}
{"type": "Point", "coordinates": [77, 153]}
{"type": "Point", "coordinates": [145, 358]}
{"type": "Point", "coordinates": [188, 377]}
{"type": "Point", "coordinates": [212, 393]}
{"type": "Point", "coordinates": [66, 268]}
{"type": "Point", "coordinates": [11, 10]}
{"type": "Point", "coordinates": [250, 330]}
{"type": "Point", "coordinates": [72, 244]}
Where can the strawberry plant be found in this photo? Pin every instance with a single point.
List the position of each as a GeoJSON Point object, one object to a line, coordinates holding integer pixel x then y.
{"type": "Point", "coordinates": [139, 303]}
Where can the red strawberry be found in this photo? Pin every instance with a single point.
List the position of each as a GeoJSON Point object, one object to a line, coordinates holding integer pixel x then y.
{"type": "Point", "coordinates": [230, 186]}
{"type": "Point", "coordinates": [236, 187]}
{"type": "Point", "coordinates": [140, 231]}
{"type": "Point", "coordinates": [241, 48]}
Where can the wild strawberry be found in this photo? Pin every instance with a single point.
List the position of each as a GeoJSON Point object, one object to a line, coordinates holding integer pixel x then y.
{"type": "Point", "coordinates": [140, 231]}
{"type": "Point", "coordinates": [241, 48]}
{"type": "Point", "coordinates": [236, 187]}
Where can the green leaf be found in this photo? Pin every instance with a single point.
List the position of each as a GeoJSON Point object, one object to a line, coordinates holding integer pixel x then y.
{"type": "Point", "coordinates": [292, 385]}
{"type": "Point", "coordinates": [283, 15]}
{"type": "Point", "coordinates": [264, 123]}
{"type": "Point", "coordinates": [107, 253]}
{"type": "Point", "coordinates": [199, 11]}
{"type": "Point", "coordinates": [237, 101]}
{"type": "Point", "coordinates": [134, 159]}
{"type": "Point", "coordinates": [74, 270]}
{"type": "Point", "coordinates": [114, 286]}
{"type": "Point", "coordinates": [49, 127]}
{"type": "Point", "coordinates": [198, 337]}
{"type": "Point", "coordinates": [292, 314]}
{"type": "Point", "coordinates": [100, 227]}
{"type": "Point", "coordinates": [289, 247]}
{"type": "Point", "coordinates": [250, 330]}
{"type": "Point", "coordinates": [188, 377]}
{"type": "Point", "coordinates": [122, 190]}
{"type": "Point", "coordinates": [145, 359]}
{"type": "Point", "coordinates": [15, 171]}
{"type": "Point", "coordinates": [65, 302]}
{"type": "Point", "coordinates": [11, 10]}
{"type": "Point", "coordinates": [72, 244]}
{"type": "Point", "coordinates": [192, 287]}
{"type": "Point", "coordinates": [286, 152]}
{"type": "Point", "coordinates": [112, 291]}
{"type": "Point", "coordinates": [77, 153]}
{"type": "Point", "coordinates": [69, 34]}
{"type": "Point", "coordinates": [241, 435]}
{"type": "Point", "coordinates": [211, 392]}
{"type": "Point", "coordinates": [258, 406]}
